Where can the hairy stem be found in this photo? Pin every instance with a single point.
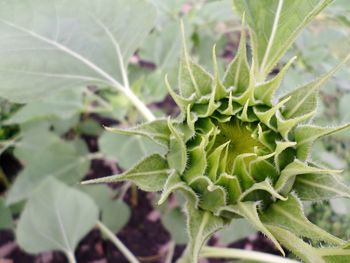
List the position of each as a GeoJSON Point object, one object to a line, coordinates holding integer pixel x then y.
{"type": "Point", "coordinates": [217, 252]}
{"type": "Point", "coordinates": [115, 240]}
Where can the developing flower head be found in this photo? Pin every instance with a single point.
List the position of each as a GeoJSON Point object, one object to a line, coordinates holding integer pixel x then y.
{"type": "Point", "coordinates": [235, 151]}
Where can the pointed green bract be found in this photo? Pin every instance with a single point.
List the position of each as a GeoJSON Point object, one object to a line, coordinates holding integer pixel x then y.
{"type": "Point", "coordinates": [316, 187]}
{"type": "Point", "coordinates": [201, 225]}
{"type": "Point", "coordinates": [150, 174]}
{"type": "Point", "coordinates": [265, 91]}
{"type": "Point", "coordinates": [237, 74]}
{"type": "Point", "coordinates": [289, 214]}
{"type": "Point", "coordinates": [249, 211]}
{"type": "Point", "coordinates": [304, 99]}
{"type": "Point", "coordinates": [301, 249]}
{"type": "Point", "coordinates": [157, 131]}
{"type": "Point", "coordinates": [297, 168]}
{"type": "Point", "coordinates": [306, 135]}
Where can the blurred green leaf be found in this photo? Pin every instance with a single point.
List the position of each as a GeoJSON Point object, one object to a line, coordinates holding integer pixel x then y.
{"type": "Point", "coordinates": [114, 213]}
{"type": "Point", "coordinates": [127, 150]}
{"type": "Point", "coordinates": [66, 44]}
{"type": "Point", "coordinates": [163, 46]}
{"type": "Point", "coordinates": [214, 12]}
{"type": "Point", "coordinates": [56, 217]}
{"type": "Point", "coordinates": [275, 25]}
{"type": "Point", "coordinates": [62, 105]}
{"type": "Point", "coordinates": [90, 127]}
{"type": "Point", "coordinates": [6, 221]}
{"type": "Point", "coordinates": [237, 230]}
{"type": "Point", "coordinates": [344, 108]}
{"type": "Point", "coordinates": [57, 158]}
{"type": "Point", "coordinates": [341, 206]}
{"type": "Point", "coordinates": [174, 222]}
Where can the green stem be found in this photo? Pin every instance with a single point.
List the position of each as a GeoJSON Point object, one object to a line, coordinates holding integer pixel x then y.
{"type": "Point", "coordinates": [170, 254]}
{"type": "Point", "coordinates": [71, 257]}
{"type": "Point", "coordinates": [4, 179]}
{"type": "Point", "coordinates": [217, 252]}
{"type": "Point", "coordinates": [115, 240]}
{"type": "Point", "coordinates": [140, 106]}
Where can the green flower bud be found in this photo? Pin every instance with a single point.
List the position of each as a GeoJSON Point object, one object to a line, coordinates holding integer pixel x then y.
{"type": "Point", "coordinates": [236, 152]}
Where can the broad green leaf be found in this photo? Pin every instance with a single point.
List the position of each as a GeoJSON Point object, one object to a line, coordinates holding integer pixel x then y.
{"type": "Point", "coordinates": [304, 99]}
{"type": "Point", "coordinates": [114, 213]}
{"type": "Point", "coordinates": [289, 215]}
{"type": "Point", "coordinates": [150, 174]}
{"type": "Point", "coordinates": [168, 9]}
{"type": "Point", "coordinates": [174, 222]}
{"type": "Point", "coordinates": [35, 137]}
{"type": "Point", "coordinates": [214, 12]}
{"type": "Point", "coordinates": [274, 27]}
{"type": "Point", "coordinates": [200, 226]}
{"type": "Point", "coordinates": [316, 187]}
{"type": "Point", "coordinates": [64, 44]}
{"type": "Point", "coordinates": [60, 159]}
{"type": "Point", "coordinates": [6, 221]}
{"type": "Point", "coordinates": [56, 217]}
{"type": "Point", "coordinates": [163, 45]}
{"type": "Point", "coordinates": [63, 105]}
{"type": "Point", "coordinates": [305, 136]}
{"type": "Point", "coordinates": [127, 149]}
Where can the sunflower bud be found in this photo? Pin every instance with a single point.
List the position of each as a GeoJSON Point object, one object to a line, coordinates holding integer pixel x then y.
{"type": "Point", "coordinates": [236, 152]}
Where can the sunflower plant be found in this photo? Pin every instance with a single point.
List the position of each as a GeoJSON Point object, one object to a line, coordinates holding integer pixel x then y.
{"type": "Point", "coordinates": [238, 151]}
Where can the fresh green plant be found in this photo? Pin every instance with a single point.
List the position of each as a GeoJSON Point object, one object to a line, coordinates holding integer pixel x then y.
{"type": "Point", "coordinates": [235, 152]}
{"type": "Point", "coordinates": [67, 59]}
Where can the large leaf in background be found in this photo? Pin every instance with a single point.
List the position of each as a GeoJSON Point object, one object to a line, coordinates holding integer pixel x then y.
{"type": "Point", "coordinates": [214, 12]}
{"type": "Point", "coordinates": [56, 217]}
{"type": "Point", "coordinates": [58, 158]}
{"type": "Point", "coordinates": [47, 45]}
{"type": "Point", "coordinates": [6, 221]}
{"type": "Point", "coordinates": [127, 150]}
{"type": "Point", "coordinates": [114, 213]}
{"type": "Point", "coordinates": [174, 222]}
{"type": "Point", "coordinates": [63, 105]}
{"type": "Point", "coordinates": [35, 137]}
{"type": "Point", "coordinates": [162, 47]}
{"type": "Point", "coordinates": [275, 24]}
